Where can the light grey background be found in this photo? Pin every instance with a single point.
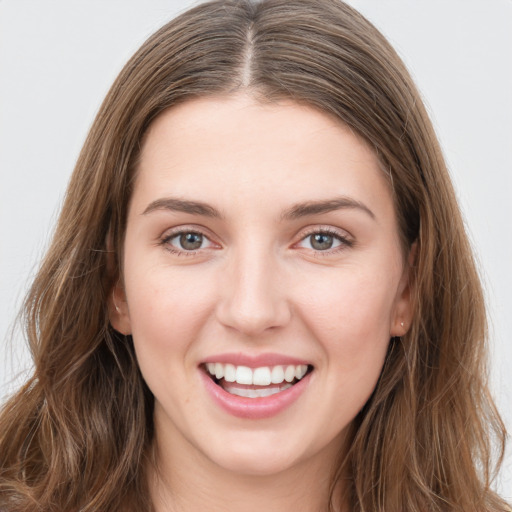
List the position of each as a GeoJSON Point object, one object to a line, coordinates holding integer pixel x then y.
{"type": "Point", "coordinates": [59, 57]}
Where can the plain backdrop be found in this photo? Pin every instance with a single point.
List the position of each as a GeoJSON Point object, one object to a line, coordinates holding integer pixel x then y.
{"type": "Point", "coordinates": [59, 57]}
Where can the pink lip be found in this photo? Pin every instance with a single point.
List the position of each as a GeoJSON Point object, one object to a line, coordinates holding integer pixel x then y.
{"type": "Point", "coordinates": [254, 408]}
{"type": "Point", "coordinates": [254, 361]}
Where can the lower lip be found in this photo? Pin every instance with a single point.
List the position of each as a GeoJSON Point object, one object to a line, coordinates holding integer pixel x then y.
{"type": "Point", "coordinates": [255, 408]}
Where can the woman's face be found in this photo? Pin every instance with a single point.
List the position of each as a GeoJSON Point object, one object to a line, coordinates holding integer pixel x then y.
{"type": "Point", "coordinates": [261, 244]}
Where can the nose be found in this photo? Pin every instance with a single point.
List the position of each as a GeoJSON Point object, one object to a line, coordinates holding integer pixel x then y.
{"type": "Point", "coordinates": [253, 294]}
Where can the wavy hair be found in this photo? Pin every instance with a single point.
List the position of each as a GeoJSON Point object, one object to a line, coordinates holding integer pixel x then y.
{"type": "Point", "coordinates": [78, 435]}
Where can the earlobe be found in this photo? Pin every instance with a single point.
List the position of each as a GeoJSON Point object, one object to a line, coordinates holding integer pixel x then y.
{"type": "Point", "coordinates": [118, 310]}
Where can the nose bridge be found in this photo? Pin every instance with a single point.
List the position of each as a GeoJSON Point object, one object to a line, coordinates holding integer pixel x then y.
{"type": "Point", "coordinates": [253, 299]}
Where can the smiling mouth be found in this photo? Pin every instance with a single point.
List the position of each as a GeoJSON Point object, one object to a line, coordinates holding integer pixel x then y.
{"type": "Point", "coordinates": [256, 382]}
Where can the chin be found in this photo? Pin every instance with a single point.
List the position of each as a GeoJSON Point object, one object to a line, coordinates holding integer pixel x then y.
{"type": "Point", "coordinates": [255, 463]}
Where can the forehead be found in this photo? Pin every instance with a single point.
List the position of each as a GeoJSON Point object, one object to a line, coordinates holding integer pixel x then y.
{"type": "Point", "coordinates": [233, 149]}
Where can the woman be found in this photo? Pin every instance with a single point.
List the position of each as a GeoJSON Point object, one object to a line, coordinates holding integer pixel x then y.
{"type": "Point", "coordinates": [242, 306]}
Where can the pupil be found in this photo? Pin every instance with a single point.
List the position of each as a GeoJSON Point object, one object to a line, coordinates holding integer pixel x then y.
{"type": "Point", "coordinates": [191, 241]}
{"type": "Point", "coordinates": [321, 241]}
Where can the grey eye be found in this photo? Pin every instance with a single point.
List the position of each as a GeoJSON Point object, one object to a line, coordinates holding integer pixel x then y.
{"type": "Point", "coordinates": [190, 241]}
{"type": "Point", "coordinates": [321, 241]}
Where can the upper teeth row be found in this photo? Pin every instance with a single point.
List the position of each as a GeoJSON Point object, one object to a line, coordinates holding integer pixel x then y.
{"type": "Point", "coordinates": [262, 376]}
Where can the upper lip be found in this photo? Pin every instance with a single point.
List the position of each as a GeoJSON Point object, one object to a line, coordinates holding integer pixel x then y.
{"type": "Point", "coordinates": [255, 360]}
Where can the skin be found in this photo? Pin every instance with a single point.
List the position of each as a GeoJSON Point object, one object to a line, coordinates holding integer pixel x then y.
{"type": "Point", "coordinates": [257, 284]}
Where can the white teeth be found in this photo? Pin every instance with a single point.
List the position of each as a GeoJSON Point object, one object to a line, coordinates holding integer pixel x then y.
{"type": "Point", "coordinates": [262, 376]}
{"type": "Point", "coordinates": [219, 370]}
{"type": "Point", "coordinates": [243, 375]}
{"type": "Point", "coordinates": [277, 375]}
{"type": "Point", "coordinates": [256, 393]}
{"type": "Point", "coordinates": [300, 371]}
{"type": "Point", "coordinates": [230, 373]}
{"type": "Point", "coordinates": [289, 373]}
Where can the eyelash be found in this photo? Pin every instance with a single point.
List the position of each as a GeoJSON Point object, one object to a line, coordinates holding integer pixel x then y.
{"type": "Point", "coordinates": [344, 241]}
{"type": "Point", "coordinates": [165, 241]}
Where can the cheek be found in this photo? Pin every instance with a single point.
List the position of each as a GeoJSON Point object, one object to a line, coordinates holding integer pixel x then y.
{"type": "Point", "coordinates": [351, 303]}
{"type": "Point", "coordinates": [353, 329]}
{"type": "Point", "coordinates": [167, 311]}
{"type": "Point", "coordinates": [167, 314]}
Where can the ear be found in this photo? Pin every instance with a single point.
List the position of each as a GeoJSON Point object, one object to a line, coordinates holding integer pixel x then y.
{"type": "Point", "coordinates": [118, 310]}
{"type": "Point", "coordinates": [404, 307]}
{"type": "Point", "coordinates": [118, 313]}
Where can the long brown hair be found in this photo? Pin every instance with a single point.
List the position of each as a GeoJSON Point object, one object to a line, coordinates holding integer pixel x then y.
{"type": "Point", "coordinates": [78, 435]}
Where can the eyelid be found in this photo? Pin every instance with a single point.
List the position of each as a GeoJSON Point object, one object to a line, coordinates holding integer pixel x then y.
{"type": "Point", "coordinates": [346, 239]}
{"type": "Point", "coordinates": [171, 233]}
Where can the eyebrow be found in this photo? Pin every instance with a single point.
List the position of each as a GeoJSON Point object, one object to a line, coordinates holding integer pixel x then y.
{"type": "Point", "coordinates": [318, 207]}
{"type": "Point", "coordinates": [297, 211]}
{"type": "Point", "coordinates": [182, 205]}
